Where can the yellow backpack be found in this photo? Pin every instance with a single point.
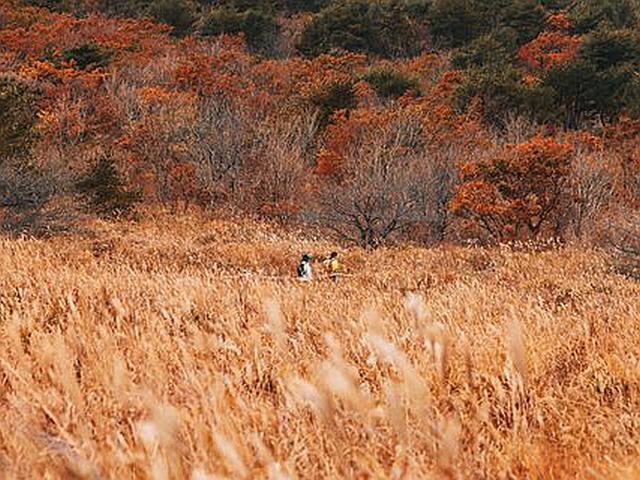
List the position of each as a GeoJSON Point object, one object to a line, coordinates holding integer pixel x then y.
{"type": "Point", "coordinates": [334, 265]}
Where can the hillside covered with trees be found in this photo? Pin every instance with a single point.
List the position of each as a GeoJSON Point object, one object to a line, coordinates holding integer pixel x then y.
{"type": "Point", "coordinates": [427, 120]}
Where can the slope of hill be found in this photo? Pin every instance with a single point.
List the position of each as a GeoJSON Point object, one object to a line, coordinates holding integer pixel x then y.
{"type": "Point", "coordinates": [431, 121]}
{"type": "Point", "coordinates": [183, 348]}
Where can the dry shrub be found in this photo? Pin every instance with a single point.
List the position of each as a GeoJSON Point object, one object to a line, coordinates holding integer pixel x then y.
{"type": "Point", "coordinates": [622, 236]}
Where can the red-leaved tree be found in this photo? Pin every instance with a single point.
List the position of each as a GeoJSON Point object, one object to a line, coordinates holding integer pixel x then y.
{"type": "Point", "coordinates": [518, 193]}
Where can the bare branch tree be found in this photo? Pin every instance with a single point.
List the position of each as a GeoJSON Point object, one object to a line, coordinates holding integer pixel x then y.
{"type": "Point", "coordinates": [439, 180]}
{"type": "Point", "coordinates": [280, 164]}
{"type": "Point", "coordinates": [380, 193]}
{"type": "Point", "coordinates": [34, 197]}
{"type": "Point", "coordinates": [622, 236]}
{"type": "Point", "coordinates": [592, 190]}
{"type": "Point", "coordinates": [221, 140]}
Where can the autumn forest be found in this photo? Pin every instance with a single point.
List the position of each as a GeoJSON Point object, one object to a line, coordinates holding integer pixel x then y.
{"type": "Point", "coordinates": [381, 121]}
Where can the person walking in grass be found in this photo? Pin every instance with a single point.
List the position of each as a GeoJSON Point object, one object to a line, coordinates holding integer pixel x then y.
{"type": "Point", "coordinates": [333, 266]}
{"type": "Point", "coordinates": [304, 268]}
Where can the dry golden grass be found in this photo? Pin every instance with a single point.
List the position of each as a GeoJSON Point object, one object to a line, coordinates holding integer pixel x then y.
{"type": "Point", "coordinates": [175, 349]}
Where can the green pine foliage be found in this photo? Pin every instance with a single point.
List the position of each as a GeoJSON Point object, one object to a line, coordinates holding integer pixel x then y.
{"type": "Point", "coordinates": [589, 15]}
{"type": "Point", "coordinates": [389, 83]}
{"type": "Point", "coordinates": [603, 80]}
{"type": "Point", "coordinates": [87, 56]}
{"type": "Point", "coordinates": [524, 18]}
{"type": "Point", "coordinates": [455, 23]}
{"type": "Point", "coordinates": [75, 6]}
{"type": "Point", "coordinates": [500, 90]}
{"type": "Point", "coordinates": [338, 96]}
{"type": "Point", "coordinates": [382, 28]}
{"type": "Point", "coordinates": [17, 117]}
{"type": "Point", "coordinates": [493, 49]}
{"type": "Point", "coordinates": [304, 5]}
{"type": "Point", "coordinates": [124, 8]}
{"type": "Point", "coordinates": [105, 190]}
{"type": "Point", "coordinates": [259, 27]}
{"type": "Point", "coordinates": [178, 14]}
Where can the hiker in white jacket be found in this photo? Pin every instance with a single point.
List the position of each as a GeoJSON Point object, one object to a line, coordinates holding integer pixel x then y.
{"type": "Point", "coordinates": [304, 268]}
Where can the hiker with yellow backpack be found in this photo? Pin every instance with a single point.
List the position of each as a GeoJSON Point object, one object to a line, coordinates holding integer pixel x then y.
{"type": "Point", "coordinates": [333, 266]}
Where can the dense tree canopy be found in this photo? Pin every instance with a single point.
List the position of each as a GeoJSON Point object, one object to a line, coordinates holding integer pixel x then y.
{"type": "Point", "coordinates": [384, 28]}
{"type": "Point", "coordinates": [259, 27]}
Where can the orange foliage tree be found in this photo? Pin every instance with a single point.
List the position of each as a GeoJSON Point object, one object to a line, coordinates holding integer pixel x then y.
{"type": "Point", "coordinates": [517, 193]}
{"type": "Point", "coordinates": [553, 47]}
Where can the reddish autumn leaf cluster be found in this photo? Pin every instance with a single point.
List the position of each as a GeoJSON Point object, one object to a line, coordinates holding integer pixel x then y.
{"type": "Point", "coordinates": [515, 193]}
{"type": "Point", "coordinates": [548, 50]}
